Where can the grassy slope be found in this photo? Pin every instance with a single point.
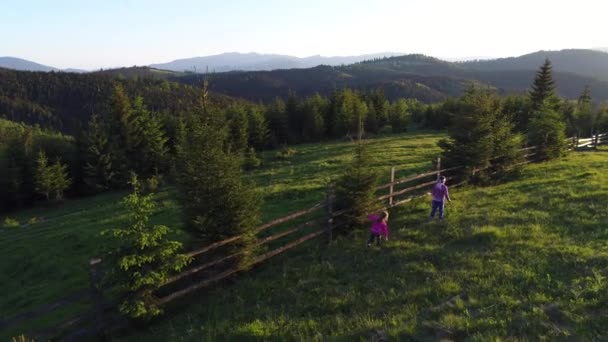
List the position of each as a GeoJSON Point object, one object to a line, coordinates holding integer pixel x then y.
{"type": "Point", "coordinates": [41, 262]}
{"type": "Point", "coordinates": [528, 260]}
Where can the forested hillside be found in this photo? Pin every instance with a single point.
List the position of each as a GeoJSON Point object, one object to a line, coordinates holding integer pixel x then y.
{"type": "Point", "coordinates": [65, 101]}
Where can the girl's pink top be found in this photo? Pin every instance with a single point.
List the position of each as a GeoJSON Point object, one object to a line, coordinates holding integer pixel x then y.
{"type": "Point", "coordinates": [378, 227]}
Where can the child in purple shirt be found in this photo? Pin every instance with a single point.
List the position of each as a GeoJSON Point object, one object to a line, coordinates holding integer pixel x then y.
{"type": "Point", "coordinates": [379, 228]}
{"type": "Point", "coordinates": [439, 192]}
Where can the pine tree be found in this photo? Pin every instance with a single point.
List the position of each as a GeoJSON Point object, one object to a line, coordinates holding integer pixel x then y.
{"type": "Point", "coordinates": [585, 97]}
{"type": "Point", "coordinates": [145, 257]}
{"type": "Point", "coordinates": [355, 190]}
{"type": "Point", "coordinates": [61, 180]}
{"type": "Point", "coordinates": [584, 117]}
{"type": "Point", "coordinates": [51, 179]}
{"type": "Point", "coordinates": [237, 128]}
{"type": "Point", "coordinates": [313, 125]}
{"type": "Point", "coordinates": [371, 120]}
{"type": "Point", "coordinates": [217, 203]}
{"type": "Point", "coordinates": [257, 129]}
{"type": "Point", "coordinates": [399, 116]}
{"type": "Point", "coordinates": [543, 88]}
{"type": "Point", "coordinates": [517, 107]}
{"type": "Point", "coordinates": [482, 137]}
{"type": "Point", "coordinates": [125, 130]}
{"type": "Point", "coordinates": [602, 119]}
{"type": "Point", "coordinates": [277, 123]}
{"type": "Point", "coordinates": [251, 160]}
{"type": "Point", "coordinates": [547, 132]}
{"type": "Point", "coordinates": [98, 171]}
{"type": "Point", "coordinates": [151, 148]}
{"type": "Point", "coordinates": [44, 176]}
{"type": "Point", "coordinates": [294, 120]}
{"type": "Point", "coordinates": [378, 101]}
{"type": "Point", "coordinates": [351, 109]}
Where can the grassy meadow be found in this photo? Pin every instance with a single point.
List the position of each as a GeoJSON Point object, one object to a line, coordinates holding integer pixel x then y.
{"type": "Point", "coordinates": [47, 255]}
{"type": "Point", "coordinates": [524, 260]}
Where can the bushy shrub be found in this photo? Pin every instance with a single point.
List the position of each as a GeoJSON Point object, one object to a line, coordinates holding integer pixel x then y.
{"type": "Point", "coordinates": [153, 184]}
{"type": "Point", "coordinates": [251, 160]}
{"type": "Point", "coordinates": [285, 153]}
{"type": "Point", "coordinates": [10, 223]}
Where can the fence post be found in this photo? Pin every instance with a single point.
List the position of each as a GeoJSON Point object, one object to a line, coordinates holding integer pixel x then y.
{"type": "Point", "coordinates": [597, 136]}
{"type": "Point", "coordinates": [573, 142]}
{"type": "Point", "coordinates": [438, 167]}
{"type": "Point", "coordinates": [391, 188]}
{"type": "Point", "coordinates": [97, 296]}
{"type": "Point", "coordinates": [330, 209]}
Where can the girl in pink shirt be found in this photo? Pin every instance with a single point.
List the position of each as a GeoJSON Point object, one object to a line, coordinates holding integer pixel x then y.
{"type": "Point", "coordinates": [379, 228]}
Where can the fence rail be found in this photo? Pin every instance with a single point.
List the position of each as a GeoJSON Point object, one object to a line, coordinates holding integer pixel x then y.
{"type": "Point", "coordinates": [391, 199]}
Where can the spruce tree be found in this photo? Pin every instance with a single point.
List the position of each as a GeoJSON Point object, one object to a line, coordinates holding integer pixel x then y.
{"type": "Point", "coordinates": [482, 138]}
{"type": "Point", "coordinates": [378, 101]}
{"type": "Point", "coordinates": [602, 119]}
{"type": "Point", "coordinates": [543, 88]}
{"type": "Point", "coordinates": [257, 128]}
{"type": "Point", "coordinates": [584, 116]}
{"type": "Point", "coordinates": [98, 171]}
{"type": "Point", "coordinates": [399, 116]}
{"type": "Point", "coordinates": [217, 203]}
{"type": "Point", "coordinates": [122, 131]}
{"type": "Point", "coordinates": [276, 117]}
{"type": "Point", "coordinates": [237, 128]}
{"type": "Point", "coordinates": [356, 188]}
{"type": "Point", "coordinates": [517, 107]}
{"type": "Point", "coordinates": [350, 111]}
{"type": "Point", "coordinates": [150, 151]}
{"type": "Point", "coordinates": [44, 176]}
{"type": "Point", "coordinates": [585, 97]}
{"type": "Point", "coordinates": [313, 112]}
{"type": "Point", "coordinates": [51, 179]}
{"type": "Point", "coordinates": [294, 121]}
{"type": "Point", "coordinates": [145, 258]}
{"type": "Point", "coordinates": [61, 180]}
{"type": "Point", "coordinates": [547, 131]}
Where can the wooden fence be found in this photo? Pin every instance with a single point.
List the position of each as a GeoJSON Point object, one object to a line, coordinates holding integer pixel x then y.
{"type": "Point", "coordinates": [211, 265]}
{"type": "Point", "coordinates": [592, 142]}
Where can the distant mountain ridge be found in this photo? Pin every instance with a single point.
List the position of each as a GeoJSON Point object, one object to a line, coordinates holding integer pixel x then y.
{"type": "Point", "coordinates": [589, 63]}
{"type": "Point", "coordinates": [427, 78]}
{"type": "Point", "coordinates": [23, 65]}
{"type": "Point", "coordinates": [235, 61]}
{"type": "Point", "coordinates": [416, 76]}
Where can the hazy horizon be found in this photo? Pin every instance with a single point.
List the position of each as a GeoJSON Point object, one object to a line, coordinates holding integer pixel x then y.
{"type": "Point", "coordinates": [115, 33]}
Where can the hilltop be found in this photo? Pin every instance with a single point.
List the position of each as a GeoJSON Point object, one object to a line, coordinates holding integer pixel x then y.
{"type": "Point", "coordinates": [22, 64]}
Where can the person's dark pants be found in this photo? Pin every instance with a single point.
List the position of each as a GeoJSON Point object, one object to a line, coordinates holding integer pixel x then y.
{"type": "Point", "coordinates": [372, 237]}
{"type": "Point", "coordinates": [437, 205]}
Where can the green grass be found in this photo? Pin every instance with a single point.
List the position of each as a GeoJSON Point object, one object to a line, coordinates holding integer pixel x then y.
{"type": "Point", "coordinates": [293, 184]}
{"type": "Point", "coordinates": [47, 258]}
{"type": "Point", "coordinates": [524, 260]}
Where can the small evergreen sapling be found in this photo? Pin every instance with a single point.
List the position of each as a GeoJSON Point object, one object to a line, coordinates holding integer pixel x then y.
{"type": "Point", "coordinates": [51, 178]}
{"type": "Point", "coordinates": [145, 257]}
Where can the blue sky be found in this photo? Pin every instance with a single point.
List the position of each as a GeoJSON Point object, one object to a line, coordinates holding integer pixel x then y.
{"type": "Point", "coordinates": [92, 34]}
